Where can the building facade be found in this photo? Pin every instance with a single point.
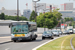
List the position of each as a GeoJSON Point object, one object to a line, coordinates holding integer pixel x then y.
{"type": "Point", "coordinates": [67, 6]}
{"type": "Point", "coordinates": [67, 10]}
{"type": "Point", "coordinates": [27, 13]}
{"type": "Point", "coordinates": [68, 13]}
{"type": "Point", "coordinates": [40, 7]}
{"type": "Point", "coordinates": [9, 12]}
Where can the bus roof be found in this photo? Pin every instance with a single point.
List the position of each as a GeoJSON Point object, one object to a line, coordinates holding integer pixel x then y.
{"type": "Point", "coordinates": [8, 22]}
{"type": "Point", "coordinates": [19, 21]}
{"type": "Point", "coordinates": [24, 21]}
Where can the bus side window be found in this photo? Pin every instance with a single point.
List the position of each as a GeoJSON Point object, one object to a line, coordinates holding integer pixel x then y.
{"type": "Point", "coordinates": [29, 28]}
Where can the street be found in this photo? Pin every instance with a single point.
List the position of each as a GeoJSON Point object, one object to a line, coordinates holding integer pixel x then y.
{"type": "Point", "coordinates": [24, 45]}
{"type": "Point", "coordinates": [1, 35]}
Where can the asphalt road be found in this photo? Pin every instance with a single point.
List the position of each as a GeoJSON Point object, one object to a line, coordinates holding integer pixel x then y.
{"type": "Point", "coordinates": [23, 45]}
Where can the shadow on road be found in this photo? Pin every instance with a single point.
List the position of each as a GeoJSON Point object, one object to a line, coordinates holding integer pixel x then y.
{"type": "Point", "coordinates": [39, 40]}
{"type": "Point", "coordinates": [5, 42]}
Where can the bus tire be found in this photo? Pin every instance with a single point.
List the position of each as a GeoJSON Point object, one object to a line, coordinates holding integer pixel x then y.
{"type": "Point", "coordinates": [34, 39]}
{"type": "Point", "coordinates": [14, 40]}
{"type": "Point", "coordinates": [43, 38]}
{"type": "Point", "coordinates": [35, 36]}
{"type": "Point", "coordinates": [31, 38]}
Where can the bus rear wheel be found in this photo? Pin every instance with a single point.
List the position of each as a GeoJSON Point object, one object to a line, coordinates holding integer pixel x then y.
{"type": "Point", "coordinates": [34, 39]}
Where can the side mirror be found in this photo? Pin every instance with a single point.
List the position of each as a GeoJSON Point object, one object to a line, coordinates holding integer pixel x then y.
{"type": "Point", "coordinates": [10, 25]}
{"type": "Point", "coordinates": [29, 25]}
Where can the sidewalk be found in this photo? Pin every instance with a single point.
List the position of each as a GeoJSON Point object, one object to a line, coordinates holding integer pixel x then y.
{"type": "Point", "coordinates": [5, 39]}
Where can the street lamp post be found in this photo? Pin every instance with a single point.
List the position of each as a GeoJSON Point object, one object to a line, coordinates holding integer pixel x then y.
{"type": "Point", "coordinates": [44, 18]}
{"type": "Point", "coordinates": [17, 10]}
{"type": "Point", "coordinates": [35, 11]}
{"type": "Point", "coordinates": [35, 8]}
{"type": "Point", "coordinates": [57, 24]}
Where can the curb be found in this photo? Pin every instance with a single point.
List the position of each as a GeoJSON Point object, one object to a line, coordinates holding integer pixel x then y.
{"type": "Point", "coordinates": [72, 44]}
{"type": "Point", "coordinates": [46, 43]}
{"type": "Point", "coordinates": [5, 42]}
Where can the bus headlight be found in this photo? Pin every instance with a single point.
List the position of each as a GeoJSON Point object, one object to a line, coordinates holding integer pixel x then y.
{"type": "Point", "coordinates": [12, 35]}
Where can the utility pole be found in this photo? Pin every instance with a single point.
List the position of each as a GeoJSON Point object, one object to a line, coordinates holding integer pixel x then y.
{"type": "Point", "coordinates": [44, 20]}
{"type": "Point", "coordinates": [17, 10]}
{"type": "Point", "coordinates": [35, 8]}
{"type": "Point", "coordinates": [35, 11]}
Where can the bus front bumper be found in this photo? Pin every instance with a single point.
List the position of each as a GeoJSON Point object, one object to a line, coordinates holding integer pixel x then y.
{"type": "Point", "coordinates": [20, 38]}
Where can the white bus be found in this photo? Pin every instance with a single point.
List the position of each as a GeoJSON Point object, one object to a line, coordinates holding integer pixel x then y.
{"type": "Point", "coordinates": [23, 30]}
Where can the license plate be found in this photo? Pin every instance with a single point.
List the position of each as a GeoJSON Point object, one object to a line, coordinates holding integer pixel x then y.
{"type": "Point", "coordinates": [19, 35]}
{"type": "Point", "coordinates": [47, 36]}
{"type": "Point", "coordinates": [19, 39]}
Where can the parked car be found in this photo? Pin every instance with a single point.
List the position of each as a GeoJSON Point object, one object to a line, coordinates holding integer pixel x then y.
{"type": "Point", "coordinates": [60, 32]}
{"type": "Point", "coordinates": [66, 32]}
{"type": "Point", "coordinates": [56, 32]}
{"type": "Point", "coordinates": [47, 34]}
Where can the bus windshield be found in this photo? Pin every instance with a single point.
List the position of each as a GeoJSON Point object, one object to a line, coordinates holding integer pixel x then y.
{"type": "Point", "coordinates": [19, 28]}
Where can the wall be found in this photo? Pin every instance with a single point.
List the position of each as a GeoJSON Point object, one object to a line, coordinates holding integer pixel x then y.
{"type": "Point", "coordinates": [4, 30]}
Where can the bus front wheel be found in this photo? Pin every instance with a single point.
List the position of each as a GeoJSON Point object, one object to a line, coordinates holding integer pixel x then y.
{"type": "Point", "coordinates": [30, 38]}
{"type": "Point", "coordinates": [14, 40]}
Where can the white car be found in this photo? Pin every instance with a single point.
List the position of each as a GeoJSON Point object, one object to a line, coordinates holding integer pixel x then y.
{"type": "Point", "coordinates": [66, 32]}
{"type": "Point", "coordinates": [60, 32]}
{"type": "Point", "coordinates": [56, 32]}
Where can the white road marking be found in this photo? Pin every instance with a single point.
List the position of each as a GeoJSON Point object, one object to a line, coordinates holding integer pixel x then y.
{"type": "Point", "coordinates": [71, 43]}
{"type": "Point", "coordinates": [63, 42]}
{"type": "Point", "coordinates": [7, 48]}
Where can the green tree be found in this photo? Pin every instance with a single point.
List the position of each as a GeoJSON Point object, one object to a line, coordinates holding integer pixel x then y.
{"type": "Point", "coordinates": [73, 24]}
{"type": "Point", "coordinates": [2, 16]}
{"type": "Point", "coordinates": [71, 19]}
{"type": "Point", "coordinates": [40, 13]}
{"type": "Point", "coordinates": [50, 20]}
{"type": "Point", "coordinates": [57, 14]}
{"type": "Point", "coordinates": [32, 17]}
{"type": "Point", "coordinates": [21, 18]}
{"type": "Point", "coordinates": [68, 19]}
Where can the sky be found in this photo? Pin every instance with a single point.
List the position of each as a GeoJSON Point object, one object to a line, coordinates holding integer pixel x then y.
{"type": "Point", "coordinates": [12, 4]}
